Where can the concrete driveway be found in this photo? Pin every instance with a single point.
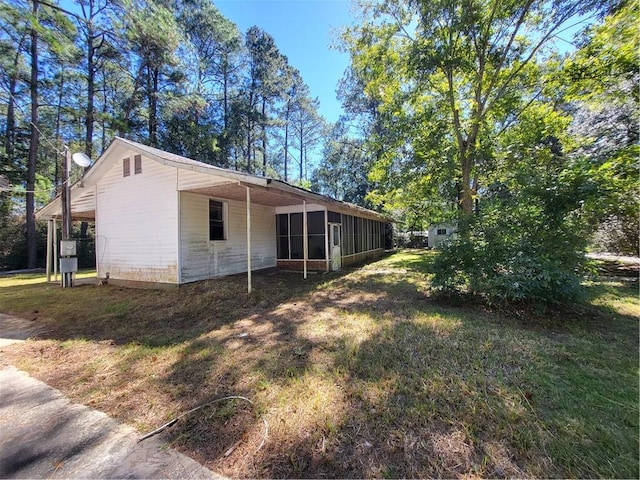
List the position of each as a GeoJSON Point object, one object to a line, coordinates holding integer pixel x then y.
{"type": "Point", "coordinates": [44, 435]}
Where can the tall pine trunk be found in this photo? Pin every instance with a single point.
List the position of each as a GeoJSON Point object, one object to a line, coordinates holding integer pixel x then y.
{"type": "Point", "coordinates": [286, 140]}
{"type": "Point", "coordinates": [58, 127]}
{"type": "Point", "coordinates": [89, 116]}
{"type": "Point", "coordinates": [249, 128]}
{"type": "Point", "coordinates": [103, 142]}
{"type": "Point", "coordinates": [264, 137]}
{"type": "Point", "coordinates": [152, 79]}
{"type": "Point", "coordinates": [301, 153]}
{"type": "Point", "coordinates": [9, 141]}
{"type": "Point", "coordinates": [33, 147]}
{"type": "Point", "coordinates": [90, 111]}
{"type": "Point", "coordinates": [225, 93]}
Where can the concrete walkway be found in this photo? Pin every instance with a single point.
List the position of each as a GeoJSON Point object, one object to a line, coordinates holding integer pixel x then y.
{"type": "Point", "coordinates": [44, 435]}
{"type": "Point", "coordinates": [17, 329]}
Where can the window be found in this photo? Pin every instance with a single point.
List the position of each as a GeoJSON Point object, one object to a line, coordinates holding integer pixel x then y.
{"type": "Point", "coordinates": [126, 167]}
{"type": "Point", "coordinates": [315, 235]}
{"type": "Point", "coordinates": [295, 225]}
{"type": "Point", "coordinates": [282, 231]}
{"type": "Point", "coordinates": [347, 235]}
{"type": "Point", "coordinates": [441, 231]}
{"type": "Point", "coordinates": [316, 247]}
{"type": "Point", "coordinates": [334, 217]}
{"type": "Point", "coordinates": [289, 230]}
{"type": "Point", "coordinates": [216, 220]}
{"type": "Point", "coordinates": [137, 164]}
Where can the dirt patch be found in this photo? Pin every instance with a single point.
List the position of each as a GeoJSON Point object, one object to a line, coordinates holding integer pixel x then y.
{"type": "Point", "coordinates": [15, 329]}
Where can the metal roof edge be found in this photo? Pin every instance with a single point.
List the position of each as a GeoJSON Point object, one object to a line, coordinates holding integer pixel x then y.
{"type": "Point", "coordinates": [282, 185]}
{"type": "Point", "coordinates": [193, 165]}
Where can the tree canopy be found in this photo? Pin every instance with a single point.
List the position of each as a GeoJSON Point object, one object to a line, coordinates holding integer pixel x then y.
{"type": "Point", "coordinates": [473, 113]}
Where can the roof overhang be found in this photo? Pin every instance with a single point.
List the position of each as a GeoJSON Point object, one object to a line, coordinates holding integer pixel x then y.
{"type": "Point", "coordinates": [209, 180]}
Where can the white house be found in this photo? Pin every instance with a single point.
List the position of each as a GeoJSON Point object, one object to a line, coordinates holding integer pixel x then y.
{"type": "Point", "coordinates": [165, 219]}
{"type": "Point", "coordinates": [439, 232]}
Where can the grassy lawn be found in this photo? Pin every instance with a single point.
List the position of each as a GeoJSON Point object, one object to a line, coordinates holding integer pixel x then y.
{"type": "Point", "coordinates": [33, 278]}
{"type": "Point", "coordinates": [357, 374]}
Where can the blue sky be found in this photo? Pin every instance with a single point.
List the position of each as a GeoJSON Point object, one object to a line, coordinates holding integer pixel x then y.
{"type": "Point", "coordinates": [304, 31]}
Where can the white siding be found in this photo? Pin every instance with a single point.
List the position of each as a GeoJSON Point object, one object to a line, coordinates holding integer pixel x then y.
{"type": "Point", "coordinates": [188, 180]}
{"type": "Point", "coordinates": [136, 219]}
{"type": "Point", "coordinates": [201, 259]}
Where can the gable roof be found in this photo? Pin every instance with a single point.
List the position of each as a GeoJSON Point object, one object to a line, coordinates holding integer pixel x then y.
{"type": "Point", "coordinates": [264, 190]}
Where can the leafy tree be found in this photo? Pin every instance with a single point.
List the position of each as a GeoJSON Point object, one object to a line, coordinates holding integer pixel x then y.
{"type": "Point", "coordinates": [459, 69]}
{"type": "Point", "coordinates": [14, 37]}
{"type": "Point", "coordinates": [602, 79]}
{"type": "Point", "coordinates": [468, 116]}
{"type": "Point", "coordinates": [307, 126]}
{"type": "Point", "coordinates": [153, 39]}
{"type": "Point", "coordinates": [263, 84]}
{"type": "Point", "coordinates": [526, 242]}
{"type": "Point", "coordinates": [290, 97]}
{"type": "Point", "coordinates": [198, 124]}
{"type": "Point", "coordinates": [343, 170]}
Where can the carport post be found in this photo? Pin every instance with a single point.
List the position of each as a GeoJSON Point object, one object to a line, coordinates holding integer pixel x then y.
{"type": "Point", "coordinates": [248, 239]}
{"type": "Point", "coordinates": [55, 250]}
{"type": "Point", "coordinates": [49, 248]}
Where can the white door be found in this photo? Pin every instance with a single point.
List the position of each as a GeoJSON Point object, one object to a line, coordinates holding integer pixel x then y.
{"type": "Point", "coordinates": [334, 246]}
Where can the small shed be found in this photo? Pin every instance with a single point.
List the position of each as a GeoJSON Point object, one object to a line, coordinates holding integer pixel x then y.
{"type": "Point", "coordinates": [439, 232]}
{"type": "Point", "coordinates": [162, 218]}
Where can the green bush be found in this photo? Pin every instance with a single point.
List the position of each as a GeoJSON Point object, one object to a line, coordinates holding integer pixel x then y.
{"type": "Point", "coordinates": [13, 242]}
{"type": "Point", "coordinates": [513, 253]}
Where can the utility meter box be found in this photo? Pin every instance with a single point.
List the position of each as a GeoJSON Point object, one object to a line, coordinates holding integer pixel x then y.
{"type": "Point", "coordinates": [67, 248]}
{"type": "Point", "coordinates": [69, 265]}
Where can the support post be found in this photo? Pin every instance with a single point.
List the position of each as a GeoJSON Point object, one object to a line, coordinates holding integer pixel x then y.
{"type": "Point", "coordinates": [55, 250]}
{"type": "Point", "coordinates": [49, 248]}
{"type": "Point", "coordinates": [305, 243]}
{"type": "Point", "coordinates": [326, 237]}
{"type": "Point", "coordinates": [248, 240]}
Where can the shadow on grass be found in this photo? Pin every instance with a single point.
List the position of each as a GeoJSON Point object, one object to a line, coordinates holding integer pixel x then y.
{"type": "Point", "coordinates": [361, 374]}
{"type": "Point", "coordinates": [153, 318]}
{"type": "Point", "coordinates": [428, 391]}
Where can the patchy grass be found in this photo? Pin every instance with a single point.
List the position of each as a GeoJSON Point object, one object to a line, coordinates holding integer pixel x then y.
{"type": "Point", "coordinates": [359, 374]}
{"type": "Point", "coordinates": [35, 278]}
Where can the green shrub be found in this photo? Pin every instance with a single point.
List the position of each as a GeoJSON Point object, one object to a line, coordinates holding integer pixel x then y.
{"type": "Point", "coordinates": [513, 253]}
